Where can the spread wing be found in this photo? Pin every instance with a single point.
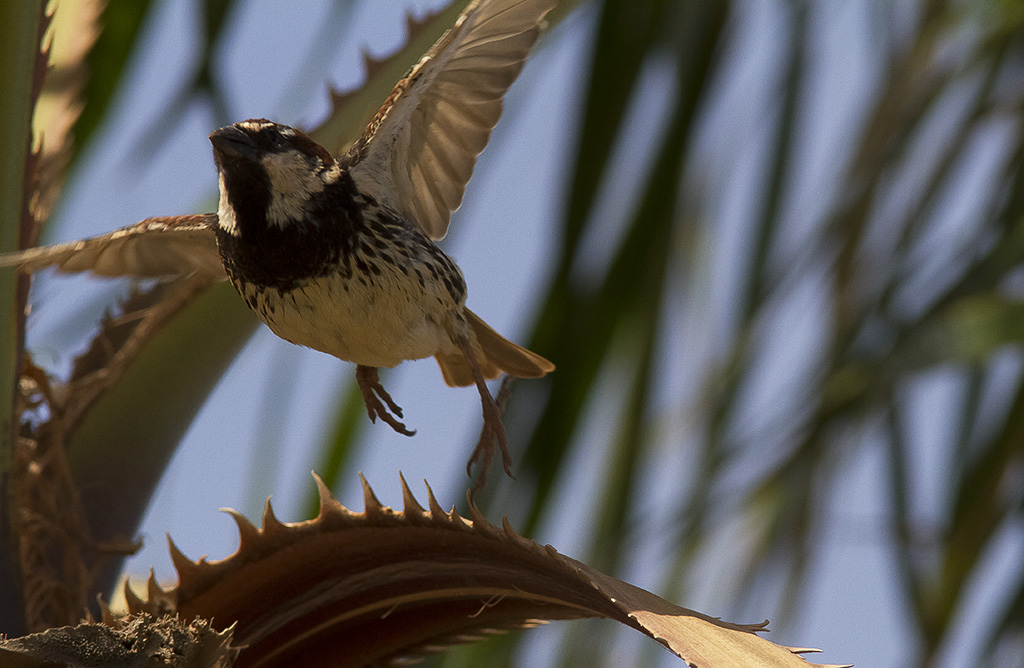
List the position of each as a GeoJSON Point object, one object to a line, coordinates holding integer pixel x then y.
{"type": "Point", "coordinates": [423, 143]}
{"type": "Point", "coordinates": [165, 246]}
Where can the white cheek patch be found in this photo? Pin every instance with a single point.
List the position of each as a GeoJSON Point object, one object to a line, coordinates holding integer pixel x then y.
{"type": "Point", "coordinates": [292, 183]}
{"type": "Point", "coordinates": [225, 212]}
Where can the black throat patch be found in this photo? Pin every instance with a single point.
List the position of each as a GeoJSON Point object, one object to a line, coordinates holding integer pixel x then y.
{"type": "Point", "coordinates": [314, 244]}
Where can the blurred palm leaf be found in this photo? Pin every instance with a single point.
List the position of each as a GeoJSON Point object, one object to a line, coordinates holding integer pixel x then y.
{"type": "Point", "coordinates": [888, 290]}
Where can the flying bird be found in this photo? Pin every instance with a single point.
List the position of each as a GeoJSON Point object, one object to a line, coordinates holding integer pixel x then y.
{"type": "Point", "coordinates": [338, 253]}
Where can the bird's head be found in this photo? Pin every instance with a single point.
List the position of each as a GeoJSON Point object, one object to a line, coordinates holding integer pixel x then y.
{"type": "Point", "coordinates": [269, 173]}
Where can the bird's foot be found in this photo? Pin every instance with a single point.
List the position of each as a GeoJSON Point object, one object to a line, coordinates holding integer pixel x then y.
{"type": "Point", "coordinates": [493, 430]}
{"type": "Point", "coordinates": [373, 392]}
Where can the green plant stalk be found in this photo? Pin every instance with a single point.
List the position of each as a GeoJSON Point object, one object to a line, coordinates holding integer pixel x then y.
{"type": "Point", "coordinates": [20, 23]}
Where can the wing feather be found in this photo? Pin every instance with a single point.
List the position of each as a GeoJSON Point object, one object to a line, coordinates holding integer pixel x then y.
{"type": "Point", "coordinates": [418, 153]}
{"type": "Point", "coordinates": [154, 247]}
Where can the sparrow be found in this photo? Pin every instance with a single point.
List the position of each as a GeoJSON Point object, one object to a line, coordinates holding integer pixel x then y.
{"type": "Point", "coordinates": [338, 254]}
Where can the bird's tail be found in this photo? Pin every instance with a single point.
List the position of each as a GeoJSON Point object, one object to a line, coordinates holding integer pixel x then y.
{"type": "Point", "coordinates": [495, 354]}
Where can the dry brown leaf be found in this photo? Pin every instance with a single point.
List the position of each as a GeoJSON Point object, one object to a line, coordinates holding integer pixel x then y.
{"type": "Point", "coordinates": [60, 559]}
{"type": "Point", "coordinates": [121, 339]}
{"type": "Point", "coordinates": [140, 642]}
{"type": "Point", "coordinates": [354, 589]}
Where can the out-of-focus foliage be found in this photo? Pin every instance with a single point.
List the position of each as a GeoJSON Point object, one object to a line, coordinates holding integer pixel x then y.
{"type": "Point", "coordinates": [859, 277]}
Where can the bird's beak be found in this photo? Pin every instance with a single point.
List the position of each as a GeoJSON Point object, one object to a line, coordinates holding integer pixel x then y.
{"type": "Point", "coordinates": [230, 141]}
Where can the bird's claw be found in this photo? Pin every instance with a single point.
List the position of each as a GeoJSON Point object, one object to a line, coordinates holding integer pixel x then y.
{"type": "Point", "coordinates": [369, 384]}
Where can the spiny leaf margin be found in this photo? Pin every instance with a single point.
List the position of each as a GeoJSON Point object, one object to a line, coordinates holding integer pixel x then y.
{"type": "Point", "coordinates": [421, 579]}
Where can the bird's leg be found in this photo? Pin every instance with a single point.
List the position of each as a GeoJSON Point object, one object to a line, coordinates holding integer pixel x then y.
{"type": "Point", "coordinates": [493, 428]}
{"type": "Point", "coordinates": [369, 385]}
